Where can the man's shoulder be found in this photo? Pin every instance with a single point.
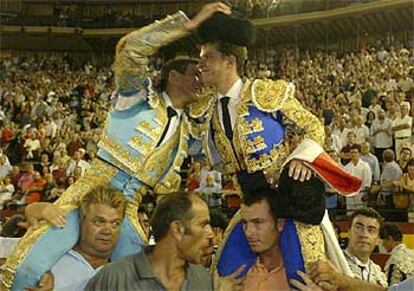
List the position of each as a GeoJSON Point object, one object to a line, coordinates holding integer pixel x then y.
{"type": "Point", "coordinates": [199, 278]}
{"type": "Point", "coordinates": [118, 267]}
{"type": "Point", "coordinates": [116, 274]}
{"type": "Point", "coordinates": [363, 163]}
{"type": "Point", "coordinates": [268, 95]}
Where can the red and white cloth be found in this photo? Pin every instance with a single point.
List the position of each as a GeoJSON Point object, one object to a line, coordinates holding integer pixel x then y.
{"type": "Point", "coordinates": [327, 169]}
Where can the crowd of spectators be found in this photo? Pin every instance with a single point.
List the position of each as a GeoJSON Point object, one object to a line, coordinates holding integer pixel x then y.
{"type": "Point", "coordinates": [52, 112]}
{"type": "Point", "coordinates": [51, 115]}
{"type": "Point", "coordinates": [117, 17]}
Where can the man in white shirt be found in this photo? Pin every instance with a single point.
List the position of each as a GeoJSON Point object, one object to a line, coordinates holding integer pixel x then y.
{"type": "Point", "coordinates": [336, 140]}
{"type": "Point", "coordinates": [361, 130]}
{"type": "Point", "coordinates": [406, 83]}
{"type": "Point", "coordinates": [361, 169]}
{"type": "Point", "coordinates": [364, 230]}
{"type": "Point", "coordinates": [381, 132]}
{"type": "Point", "coordinates": [77, 161]}
{"type": "Point", "coordinates": [391, 172]}
{"type": "Point", "coordinates": [5, 167]}
{"type": "Point", "coordinates": [402, 128]}
{"type": "Point", "coordinates": [372, 161]}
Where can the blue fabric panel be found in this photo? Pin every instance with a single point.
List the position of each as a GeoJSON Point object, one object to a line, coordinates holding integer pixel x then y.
{"type": "Point", "coordinates": [236, 253]}
{"type": "Point", "coordinates": [129, 241]}
{"type": "Point", "coordinates": [291, 251]}
{"type": "Point", "coordinates": [273, 130]}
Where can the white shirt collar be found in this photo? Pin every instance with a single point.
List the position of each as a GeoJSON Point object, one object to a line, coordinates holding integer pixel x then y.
{"type": "Point", "coordinates": [357, 261]}
{"type": "Point", "coordinates": [168, 103]}
{"type": "Point", "coordinates": [235, 90]}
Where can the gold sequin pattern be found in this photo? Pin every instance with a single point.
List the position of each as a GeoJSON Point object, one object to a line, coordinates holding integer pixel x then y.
{"type": "Point", "coordinates": [256, 144]}
{"type": "Point", "coordinates": [133, 50]}
{"type": "Point", "coordinates": [172, 180]}
{"type": "Point", "coordinates": [121, 155]}
{"type": "Point", "coordinates": [153, 132]}
{"type": "Point", "coordinates": [253, 126]}
{"type": "Point", "coordinates": [268, 95]}
{"type": "Point", "coordinates": [302, 118]}
{"type": "Point", "coordinates": [203, 104]}
{"type": "Point", "coordinates": [224, 148]}
{"type": "Point", "coordinates": [311, 242]}
{"type": "Point", "coordinates": [131, 211]}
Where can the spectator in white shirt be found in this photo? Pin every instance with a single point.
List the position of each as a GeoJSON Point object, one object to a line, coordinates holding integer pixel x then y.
{"type": "Point", "coordinates": [205, 170]}
{"type": "Point", "coordinates": [335, 140]}
{"type": "Point", "coordinates": [361, 169]}
{"type": "Point", "coordinates": [374, 105]}
{"type": "Point", "coordinates": [402, 128]}
{"type": "Point", "coordinates": [381, 132]}
{"type": "Point", "coordinates": [361, 130]}
{"type": "Point", "coordinates": [51, 128]}
{"type": "Point", "coordinates": [391, 172]}
{"type": "Point", "coordinates": [77, 162]}
{"type": "Point", "coordinates": [211, 191]}
{"type": "Point", "coordinates": [5, 167]}
{"type": "Point", "coordinates": [32, 145]}
{"type": "Point", "coordinates": [6, 190]}
{"type": "Point", "coordinates": [406, 83]}
{"type": "Point", "coordinates": [372, 161]}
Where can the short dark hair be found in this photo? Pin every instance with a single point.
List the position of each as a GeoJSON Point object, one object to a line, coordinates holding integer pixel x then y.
{"type": "Point", "coordinates": [262, 194]}
{"type": "Point", "coordinates": [302, 201]}
{"type": "Point", "coordinates": [391, 230]}
{"type": "Point", "coordinates": [228, 49]}
{"type": "Point", "coordinates": [174, 206]}
{"type": "Point", "coordinates": [367, 212]}
{"type": "Point", "coordinates": [406, 149]}
{"type": "Point", "coordinates": [178, 64]}
{"type": "Point", "coordinates": [218, 219]}
{"type": "Point", "coordinates": [143, 209]}
{"type": "Point", "coordinates": [355, 147]}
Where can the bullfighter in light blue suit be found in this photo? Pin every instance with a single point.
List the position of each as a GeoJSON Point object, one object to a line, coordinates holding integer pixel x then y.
{"type": "Point", "coordinates": [142, 147]}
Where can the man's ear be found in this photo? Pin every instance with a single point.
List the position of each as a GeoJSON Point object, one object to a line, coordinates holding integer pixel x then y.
{"type": "Point", "coordinates": [173, 76]}
{"type": "Point", "coordinates": [231, 60]}
{"type": "Point", "coordinates": [280, 224]}
{"type": "Point", "coordinates": [177, 230]}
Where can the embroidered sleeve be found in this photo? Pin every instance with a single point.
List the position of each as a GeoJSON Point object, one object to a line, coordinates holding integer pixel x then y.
{"type": "Point", "coordinates": [133, 50]}
{"type": "Point", "coordinates": [304, 119]}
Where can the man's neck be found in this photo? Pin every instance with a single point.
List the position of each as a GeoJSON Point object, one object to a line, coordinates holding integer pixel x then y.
{"type": "Point", "coordinates": [226, 83]}
{"type": "Point", "coordinates": [355, 162]}
{"type": "Point", "coordinates": [364, 258]}
{"type": "Point", "coordinates": [94, 261]}
{"type": "Point", "coordinates": [396, 244]}
{"type": "Point", "coordinates": [171, 271]}
{"type": "Point", "coordinates": [176, 100]}
{"type": "Point", "coordinates": [271, 258]}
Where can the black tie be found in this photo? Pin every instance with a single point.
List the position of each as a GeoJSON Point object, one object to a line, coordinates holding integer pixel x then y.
{"type": "Point", "coordinates": [226, 117]}
{"type": "Point", "coordinates": [362, 273]}
{"type": "Point", "coordinates": [170, 113]}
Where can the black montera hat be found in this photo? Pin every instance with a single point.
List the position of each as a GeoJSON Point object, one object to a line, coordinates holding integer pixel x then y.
{"type": "Point", "coordinates": [302, 201]}
{"type": "Point", "coordinates": [306, 200]}
{"type": "Point", "coordinates": [233, 28]}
